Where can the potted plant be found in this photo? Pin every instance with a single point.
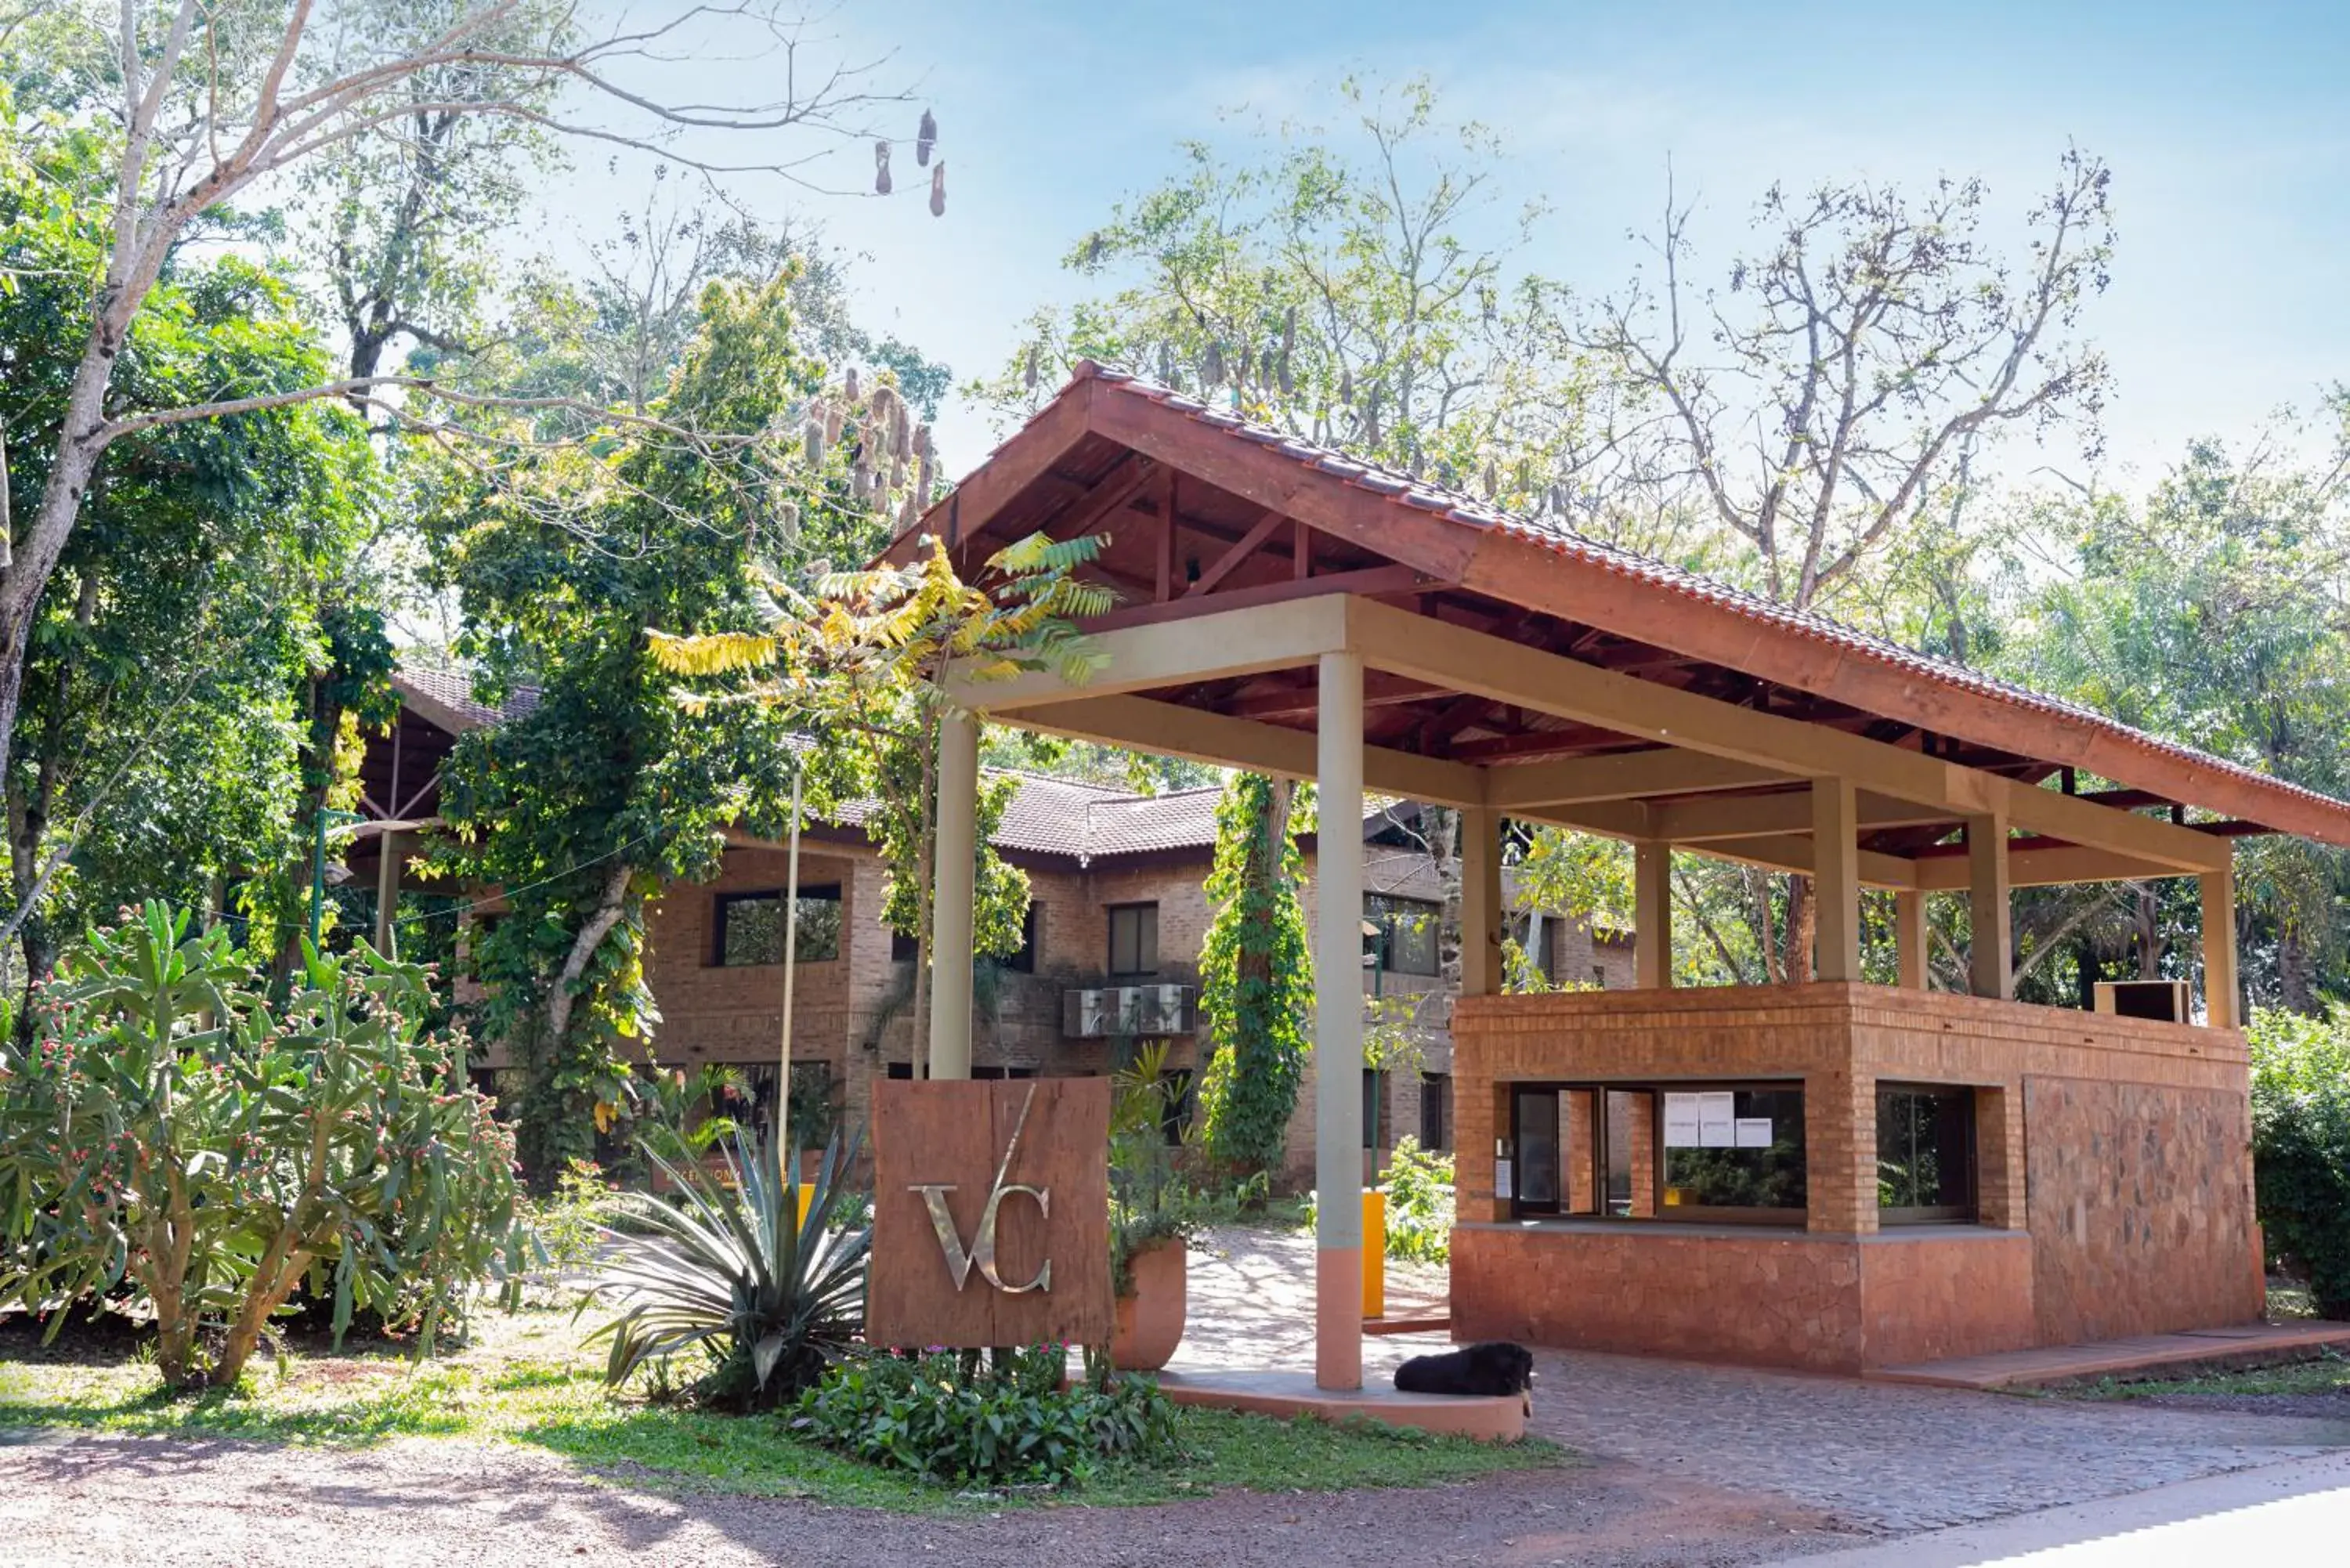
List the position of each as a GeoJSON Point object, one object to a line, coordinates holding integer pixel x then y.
{"type": "Point", "coordinates": [1152, 1215]}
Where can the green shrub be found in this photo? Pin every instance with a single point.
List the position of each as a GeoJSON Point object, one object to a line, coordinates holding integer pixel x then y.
{"type": "Point", "coordinates": [950, 1420]}
{"type": "Point", "coordinates": [170, 1129]}
{"type": "Point", "coordinates": [2300, 1148]}
{"type": "Point", "coordinates": [569, 1224]}
{"type": "Point", "coordinates": [1419, 1203]}
{"type": "Point", "coordinates": [728, 1269]}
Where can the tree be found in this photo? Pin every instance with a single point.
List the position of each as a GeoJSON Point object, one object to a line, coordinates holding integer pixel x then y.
{"type": "Point", "coordinates": [864, 671]}
{"type": "Point", "coordinates": [155, 744]}
{"type": "Point", "coordinates": [204, 106]}
{"type": "Point", "coordinates": [1256, 977]}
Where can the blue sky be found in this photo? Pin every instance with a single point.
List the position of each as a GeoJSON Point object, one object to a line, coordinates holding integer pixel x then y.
{"type": "Point", "coordinates": [2224, 127]}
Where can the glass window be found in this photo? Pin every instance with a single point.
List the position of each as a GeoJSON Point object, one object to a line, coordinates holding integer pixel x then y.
{"type": "Point", "coordinates": [1133, 939]}
{"type": "Point", "coordinates": [748, 928]}
{"type": "Point", "coordinates": [1534, 1121]}
{"type": "Point", "coordinates": [1435, 1127]}
{"type": "Point", "coordinates": [1024, 960]}
{"type": "Point", "coordinates": [1404, 932]}
{"type": "Point", "coordinates": [1731, 1149]}
{"type": "Point", "coordinates": [1925, 1153]}
{"type": "Point", "coordinates": [904, 948]}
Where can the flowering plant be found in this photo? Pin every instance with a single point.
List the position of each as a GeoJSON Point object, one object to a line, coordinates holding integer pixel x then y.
{"type": "Point", "coordinates": [169, 1130]}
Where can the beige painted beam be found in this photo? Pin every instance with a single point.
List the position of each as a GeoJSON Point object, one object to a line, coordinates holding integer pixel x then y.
{"type": "Point", "coordinates": [1793, 852]}
{"type": "Point", "coordinates": [1480, 902]}
{"type": "Point", "coordinates": [1835, 880]}
{"type": "Point", "coordinates": [952, 897]}
{"type": "Point", "coordinates": [1627, 775]}
{"type": "Point", "coordinates": [1742, 817]}
{"type": "Point", "coordinates": [1172, 730]}
{"type": "Point", "coordinates": [1990, 908]}
{"type": "Point", "coordinates": [2220, 983]}
{"type": "Point", "coordinates": [1652, 914]}
{"type": "Point", "coordinates": [1337, 1064]}
{"type": "Point", "coordinates": [1208, 646]}
{"type": "Point", "coordinates": [2046, 867]}
{"type": "Point", "coordinates": [394, 850]}
{"type": "Point", "coordinates": [1910, 938]}
{"type": "Point", "coordinates": [1469, 661]}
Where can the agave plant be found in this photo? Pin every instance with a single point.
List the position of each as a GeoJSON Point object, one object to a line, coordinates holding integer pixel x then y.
{"type": "Point", "coordinates": [728, 1269]}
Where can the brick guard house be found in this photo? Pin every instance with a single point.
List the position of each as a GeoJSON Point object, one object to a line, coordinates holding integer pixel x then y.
{"type": "Point", "coordinates": [1832, 1175]}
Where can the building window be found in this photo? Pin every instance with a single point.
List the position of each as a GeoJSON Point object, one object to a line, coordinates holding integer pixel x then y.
{"type": "Point", "coordinates": [1403, 932]}
{"type": "Point", "coordinates": [904, 948]}
{"type": "Point", "coordinates": [900, 1071]}
{"type": "Point", "coordinates": [748, 928]}
{"type": "Point", "coordinates": [1024, 960]}
{"type": "Point", "coordinates": [991, 1074]}
{"type": "Point", "coordinates": [1739, 1150]}
{"type": "Point", "coordinates": [1925, 1153]}
{"type": "Point", "coordinates": [1435, 1096]}
{"type": "Point", "coordinates": [1133, 939]}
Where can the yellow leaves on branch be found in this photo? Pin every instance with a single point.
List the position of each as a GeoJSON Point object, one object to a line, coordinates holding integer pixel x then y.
{"type": "Point", "coordinates": [715, 653]}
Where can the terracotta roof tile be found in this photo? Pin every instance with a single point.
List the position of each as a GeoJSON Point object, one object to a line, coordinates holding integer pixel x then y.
{"type": "Point", "coordinates": [1469, 510]}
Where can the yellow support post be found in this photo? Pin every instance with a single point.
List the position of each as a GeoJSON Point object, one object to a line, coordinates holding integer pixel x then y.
{"type": "Point", "coordinates": [1375, 1256]}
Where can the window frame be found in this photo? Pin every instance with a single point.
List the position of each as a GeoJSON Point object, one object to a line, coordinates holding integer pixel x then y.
{"type": "Point", "coordinates": [1597, 1152]}
{"type": "Point", "coordinates": [1385, 909]}
{"type": "Point", "coordinates": [1110, 918]}
{"type": "Point", "coordinates": [1967, 1213]}
{"type": "Point", "coordinates": [722, 904]}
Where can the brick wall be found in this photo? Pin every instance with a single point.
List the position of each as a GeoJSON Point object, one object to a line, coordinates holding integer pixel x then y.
{"type": "Point", "coordinates": [2132, 1188]}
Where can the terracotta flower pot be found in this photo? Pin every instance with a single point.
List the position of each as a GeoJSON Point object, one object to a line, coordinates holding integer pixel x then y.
{"type": "Point", "coordinates": [1151, 1317]}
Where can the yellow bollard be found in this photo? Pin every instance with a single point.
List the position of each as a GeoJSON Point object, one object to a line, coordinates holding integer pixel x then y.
{"type": "Point", "coordinates": [803, 1191]}
{"type": "Point", "coordinates": [1375, 1256]}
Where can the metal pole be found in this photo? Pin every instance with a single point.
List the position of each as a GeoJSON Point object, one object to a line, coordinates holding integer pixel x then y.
{"type": "Point", "coordinates": [318, 880]}
{"type": "Point", "coordinates": [791, 953]}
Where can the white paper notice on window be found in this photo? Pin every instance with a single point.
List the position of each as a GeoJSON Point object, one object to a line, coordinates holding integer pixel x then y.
{"type": "Point", "coordinates": [1716, 1113]}
{"type": "Point", "coordinates": [1755, 1132]}
{"type": "Point", "coordinates": [1500, 1178]}
{"type": "Point", "coordinates": [1681, 1121]}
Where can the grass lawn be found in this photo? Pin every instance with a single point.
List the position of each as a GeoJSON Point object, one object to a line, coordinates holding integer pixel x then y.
{"type": "Point", "coordinates": [524, 1380]}
{"type": "Point", "coordinates": [2328, 1374]}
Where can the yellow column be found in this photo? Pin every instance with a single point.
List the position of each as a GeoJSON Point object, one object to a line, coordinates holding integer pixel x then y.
{"type": "Point", "coordinates": [1480, 902]}
{"type": "Point", "coordinates": [1652, 914]}
{"type": "Point", "coordinates": [1909, 939]}
{"type": "Point", "coordinates": [2220, 983]}
{"type": "Point", "coordinates": [1989, 908]}
{"type": "Point", "coordinates": [1835, 880]}
{"type": "Point", "coordinates": [1338, 1029]}
{"type": "Point", "coordinates": [950, 909]}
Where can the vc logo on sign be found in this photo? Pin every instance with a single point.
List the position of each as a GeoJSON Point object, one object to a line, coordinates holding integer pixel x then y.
{"type": "Point", "coordinates": [982, 1250]}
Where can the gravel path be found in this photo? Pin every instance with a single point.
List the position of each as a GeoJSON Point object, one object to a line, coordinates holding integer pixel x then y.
{"type": "Point", "coordinates": [1694, 1466]}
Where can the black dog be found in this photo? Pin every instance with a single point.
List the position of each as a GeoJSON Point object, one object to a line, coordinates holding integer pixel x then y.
{"type": "Point", "coordinates": [1494, 1369]}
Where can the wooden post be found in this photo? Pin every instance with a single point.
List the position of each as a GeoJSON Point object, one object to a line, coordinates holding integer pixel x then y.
{"type": "Point", "coordinates": [950, 909]}
{"type": "Point", "coordinates": [1991, 915]}
{"type": "Point", "coordinates": [1481, 901]}
{"type": "Point", "coordinates": [1338, 1028]}
{"type": "Point", "coordinates": [2219, 984]}
{"type": "Point", "coordinates": [387, 896]}
{"type": "Point", "coordinates": [1909, 941]}
{"type": "Point", "coordinates": [1836, 879]}
{"type": "Point", "coordinates": [1652, 914]}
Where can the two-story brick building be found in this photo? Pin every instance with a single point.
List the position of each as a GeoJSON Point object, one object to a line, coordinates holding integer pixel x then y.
{"type": "Point", "coordinates": [1117, 917]}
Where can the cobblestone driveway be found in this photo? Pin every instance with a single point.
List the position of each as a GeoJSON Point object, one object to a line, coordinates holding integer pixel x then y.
{"type": "Point", "coordinates": [1879, 1457]}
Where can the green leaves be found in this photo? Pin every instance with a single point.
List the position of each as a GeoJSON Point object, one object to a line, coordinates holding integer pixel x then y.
{"type": "Point", "coordinates": [1256, 977]}
{"type": "Point", "coordinates": [169, 1130]}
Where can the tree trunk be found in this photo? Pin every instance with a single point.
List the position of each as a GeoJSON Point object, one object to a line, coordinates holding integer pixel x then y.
{"type": "Point", "coordinates": [1802, 929]}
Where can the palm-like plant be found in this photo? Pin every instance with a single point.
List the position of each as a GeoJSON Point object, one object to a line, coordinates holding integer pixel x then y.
{"type": "Point", "coordinates": [732, 1270]}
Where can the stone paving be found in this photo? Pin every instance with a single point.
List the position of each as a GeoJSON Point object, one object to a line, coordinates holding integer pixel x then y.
{"type": "Point", "coordinates": [1879, 1457]}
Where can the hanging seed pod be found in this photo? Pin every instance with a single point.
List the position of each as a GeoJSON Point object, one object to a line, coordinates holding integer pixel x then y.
{"type": "Point", "coordinates": [908, 513]}
{"type": "Point", "coordinates": [922, 440]}
{"type": "Point", "coordinates": [1213, 366]}
{"type": "Point", "coordinates": [787, 520]}
{"type": "Point", "coordinates": [880, 168]}
{"type": "Point", "coordinates": [1029, 370]}
{"type": "Point", "coordinates": [922, 481]}
{"type": "Point", "coordinates": [852, 383]}
{"type": "Point", "coordinates": [1288, 331]}
{"type": "Point", "coordinates": [926, 136]}
{"type": "Point", "coordinates": [901, 430]}
{"type": "Point", "coordinates": [812, 441]}
{"type": "Point", "coordinates": [938, 189]}
{"type": "Point", "coordinates": [897, 473]}
{"type": "Point", "coordinates": [1492, 480]}
{"type": "Point", "coordinates": [835, 421]}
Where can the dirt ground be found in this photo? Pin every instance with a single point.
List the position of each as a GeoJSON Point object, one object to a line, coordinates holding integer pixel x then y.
{"type": "Point", "coordinates": [98, 1502]}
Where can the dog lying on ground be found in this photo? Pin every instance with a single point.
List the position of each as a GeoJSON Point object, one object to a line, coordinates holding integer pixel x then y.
{"type": "Point", "coordinates": [1494, 1369]}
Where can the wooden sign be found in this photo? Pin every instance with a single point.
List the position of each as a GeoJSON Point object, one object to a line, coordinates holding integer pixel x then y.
{"type": "Point", "coordinates": [991, 1213]}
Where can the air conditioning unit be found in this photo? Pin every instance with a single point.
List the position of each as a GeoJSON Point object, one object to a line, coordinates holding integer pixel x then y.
{"type": "Point", "coordinates": [1129, 1010]}
{"type": "Point", "coordinates": [2164, 1000]}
